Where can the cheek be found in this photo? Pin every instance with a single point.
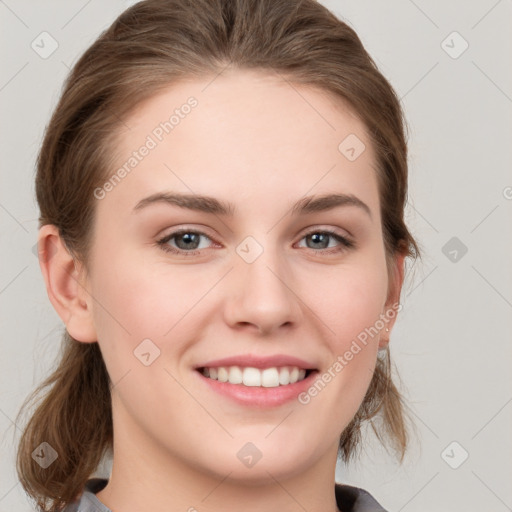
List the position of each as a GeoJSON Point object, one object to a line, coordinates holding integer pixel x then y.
{"type": "Point", "coordinates": [350, 304]}
{"type": "Point", "coordinates": [138, 300]}
{"type": "Point", "coordinates": [145, 312]}
{"type": "Point", "coordinates": [348, 299]}
{"type": "Point", "coordinates": [350, 312]}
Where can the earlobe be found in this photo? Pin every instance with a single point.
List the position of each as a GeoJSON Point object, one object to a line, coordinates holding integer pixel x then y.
{"type": "Point", "coordinates": [63, 277]}
{"type": "Point", "coordinates": [393, 300]}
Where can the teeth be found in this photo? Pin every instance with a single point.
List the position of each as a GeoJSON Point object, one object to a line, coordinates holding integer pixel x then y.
{"type": "Point", "coordinates": [267, 378]}
{"type": "Point", "coordinates": [252, 377]}
{"type": "Point", "coordinates": [270, 378]}
{"type": "Point", "coordinates": [222, 374]}
{"type": "Point", "coordinates": [235, 375]}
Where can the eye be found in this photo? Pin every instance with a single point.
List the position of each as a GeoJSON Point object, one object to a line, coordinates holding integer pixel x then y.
{"type": "Point", "coordinates": [183, 241]}
{"type": "Point", "coordinates": [327, 239]}
{"type": "Point", "coordinates": [188, 242]}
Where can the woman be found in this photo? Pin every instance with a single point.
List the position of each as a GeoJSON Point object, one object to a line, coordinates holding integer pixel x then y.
{"type": "Point", "coordinates": [222, 189]}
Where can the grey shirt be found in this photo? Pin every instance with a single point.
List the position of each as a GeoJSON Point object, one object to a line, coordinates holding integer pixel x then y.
{"type": "Point", "coordinates": [348, 499]}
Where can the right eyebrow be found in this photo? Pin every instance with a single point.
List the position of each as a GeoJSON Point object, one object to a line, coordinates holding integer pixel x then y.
{"type": "Point", "coordinates": [192, 202]}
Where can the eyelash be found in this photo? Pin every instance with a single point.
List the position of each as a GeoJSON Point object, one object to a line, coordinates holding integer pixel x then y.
{"type": "Point", "coordinates": [345, 242]}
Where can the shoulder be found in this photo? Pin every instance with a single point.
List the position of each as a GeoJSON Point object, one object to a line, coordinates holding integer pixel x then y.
{"type": "Point", "coordinates": [87, 501]}
{"type": "Point", "coordinates": [355, 499]}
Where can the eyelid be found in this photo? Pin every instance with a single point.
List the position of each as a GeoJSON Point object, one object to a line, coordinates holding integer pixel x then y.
{"type": "Point", "coordinates": [203, 230]}
{"type": "Point", "coordinates": [327, 229]}
{"type": "Point", "coordinates": [180, 228]}
{"type": "Point", "coordinates": [162, 241]}
{"type": "Point", "coordinates": [344, 242]}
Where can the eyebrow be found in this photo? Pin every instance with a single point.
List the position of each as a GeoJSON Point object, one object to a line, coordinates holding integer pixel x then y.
{"type": "Point", "coordinates": [208, 204]}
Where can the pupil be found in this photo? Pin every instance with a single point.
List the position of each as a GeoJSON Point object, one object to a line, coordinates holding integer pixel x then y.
{"type": "Point", "coordinates": [319, 238]}
{"type": "Point", "coordinates": [189, 239]}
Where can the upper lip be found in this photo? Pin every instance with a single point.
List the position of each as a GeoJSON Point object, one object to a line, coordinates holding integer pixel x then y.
{"type": "Point", "coordinates": [253, 361]}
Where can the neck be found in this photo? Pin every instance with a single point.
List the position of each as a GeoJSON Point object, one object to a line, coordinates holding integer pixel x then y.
{"type": "Point", "coordinates": [146, 476]}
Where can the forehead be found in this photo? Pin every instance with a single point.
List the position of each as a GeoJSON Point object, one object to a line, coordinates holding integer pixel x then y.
{"type": "Point", "coordinates": [244, 133]}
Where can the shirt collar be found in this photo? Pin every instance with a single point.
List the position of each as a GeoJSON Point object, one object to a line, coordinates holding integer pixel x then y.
{"type": "Point", "coordinates": [348, 499]}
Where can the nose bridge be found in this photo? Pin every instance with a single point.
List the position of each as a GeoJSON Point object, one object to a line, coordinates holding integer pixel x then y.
{"type": "Point", "coordinates": [262, 294]}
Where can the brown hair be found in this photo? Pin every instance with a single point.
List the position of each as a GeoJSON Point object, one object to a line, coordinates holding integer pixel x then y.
{"type": "Point", "coordinates": [149, 47]}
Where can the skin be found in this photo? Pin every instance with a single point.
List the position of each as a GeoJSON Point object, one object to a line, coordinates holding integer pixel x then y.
{"type": "Point", "coordinates": [258, 142]}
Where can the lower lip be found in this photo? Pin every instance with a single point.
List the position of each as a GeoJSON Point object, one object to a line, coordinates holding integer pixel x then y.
{"type": "Point", "coordinates": [256, 396]}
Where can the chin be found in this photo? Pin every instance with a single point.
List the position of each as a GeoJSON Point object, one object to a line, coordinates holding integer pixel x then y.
{"type": "Point", "coordinates": [261, 463]}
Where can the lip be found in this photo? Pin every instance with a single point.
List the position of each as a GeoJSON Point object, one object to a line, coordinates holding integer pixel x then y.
{"type": "Point", "coordinates": [259, 397]}
{"type": "Point", "coordinates": [253, 361]}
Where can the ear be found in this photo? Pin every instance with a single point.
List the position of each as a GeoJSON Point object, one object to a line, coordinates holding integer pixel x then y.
{"type": "Point", "coordinates": [391, 307]}
{"type": "Point", "coordinates": [66, 285]}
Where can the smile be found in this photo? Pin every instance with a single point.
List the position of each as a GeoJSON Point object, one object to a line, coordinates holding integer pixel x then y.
{"type": "Point", "coordinates": [256, 377]}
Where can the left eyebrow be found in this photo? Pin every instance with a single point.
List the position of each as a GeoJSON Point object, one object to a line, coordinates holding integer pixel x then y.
{"type": "Point", "coordinates": [208, 204]}
{"type": "Point", "coordinates": [325, 202]}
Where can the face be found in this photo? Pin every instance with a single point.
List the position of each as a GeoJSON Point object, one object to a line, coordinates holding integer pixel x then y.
{"type": "Point", "coordinates": [251, 274]}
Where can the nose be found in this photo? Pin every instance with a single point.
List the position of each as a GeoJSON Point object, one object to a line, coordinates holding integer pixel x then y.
{"type": "Point", "coordinates": [261, 296]}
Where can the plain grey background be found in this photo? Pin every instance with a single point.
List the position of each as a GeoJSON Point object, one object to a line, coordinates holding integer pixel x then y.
{"type": "Point", "coordinates": [450, 64]}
